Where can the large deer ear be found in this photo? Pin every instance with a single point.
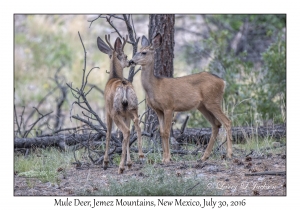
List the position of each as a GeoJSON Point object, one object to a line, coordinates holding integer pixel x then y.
{"type": "Point", "coordinates": [118, 46]}
{"type": "Point", "coordinates": [157, 41]}
{"type": "Point", "coordinates": [145, 42]}
{"type": "Point", "coordinates": [103, 47]}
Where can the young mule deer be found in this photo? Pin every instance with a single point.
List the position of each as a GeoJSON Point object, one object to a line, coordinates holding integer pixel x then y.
{"type": "Point", "coordinates": [121, 103]}
{"type": "Point", "coordinates": [202, 91]}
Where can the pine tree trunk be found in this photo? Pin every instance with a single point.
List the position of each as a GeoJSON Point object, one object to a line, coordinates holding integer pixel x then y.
{"type": "Point", "coordinates": [163, 62]}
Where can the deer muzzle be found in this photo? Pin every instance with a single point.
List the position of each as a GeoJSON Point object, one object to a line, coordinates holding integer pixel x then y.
{"type": "Point", "coordinates": [131, 62]}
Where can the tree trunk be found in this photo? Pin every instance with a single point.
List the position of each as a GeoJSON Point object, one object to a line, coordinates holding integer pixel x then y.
{"type": "Point", "coordinates": [163, 58]}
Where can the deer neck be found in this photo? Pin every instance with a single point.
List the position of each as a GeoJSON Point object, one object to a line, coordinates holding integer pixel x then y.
{"type": "Point", "coordinates": [116, 70]}
{"type": "Point", "coordinates": [149, 80]}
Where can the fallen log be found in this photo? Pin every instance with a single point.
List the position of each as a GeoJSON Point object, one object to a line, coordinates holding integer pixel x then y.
{"type": "Point", "coordinates": [62, 140]}
{"type": "Point", "coordinates": [239, 134]}
{"type": "Point", "coordinates": [55, 140]}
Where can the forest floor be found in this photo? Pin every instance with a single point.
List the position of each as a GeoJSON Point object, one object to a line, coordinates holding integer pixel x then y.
{"type": "Point", "coordinates": [228, 176]}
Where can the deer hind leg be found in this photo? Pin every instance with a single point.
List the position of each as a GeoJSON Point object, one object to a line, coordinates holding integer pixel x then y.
{"type": "Point", "coordinates": [215, 129]}
{"type": "Point", "coordinates": [125, 130]}
{"type": "Point", "coordinates": [218, 113]}
{"type": "Point", "coordinates": [129, 162]}
{"type": "Point", "coordinates": [139, 135]}
{"type": "Point", "coordinates": [108, 135]}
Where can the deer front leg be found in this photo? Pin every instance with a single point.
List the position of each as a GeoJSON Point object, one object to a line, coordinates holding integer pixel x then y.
{"type": "Point", "coordinates": [168, 114]}
{"type": "Point", "coordinates": [108, 135]}
{"type": "Point", "coordinates": [160, 116]}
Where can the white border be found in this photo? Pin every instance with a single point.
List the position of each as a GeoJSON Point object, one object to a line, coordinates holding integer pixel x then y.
{"type": "Point", "coordinates": [8, 201]}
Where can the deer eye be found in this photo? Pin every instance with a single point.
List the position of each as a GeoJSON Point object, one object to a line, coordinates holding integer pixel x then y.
{"type": "Point", "coordinates": [144, 53]}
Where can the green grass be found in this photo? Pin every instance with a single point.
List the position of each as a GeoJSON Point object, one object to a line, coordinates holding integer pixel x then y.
{"type": "Point", "coordinates": [157, 182]}
{"type": "Point", "coordinates": [259, 145]}
{"type": "Point", "coordinates": [44, 164]}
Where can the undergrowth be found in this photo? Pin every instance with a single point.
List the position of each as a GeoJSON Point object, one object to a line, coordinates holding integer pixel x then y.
{"type": "Point", "coordinates": [157, 182]}
{"type": "Point", "coordinates": [44, 164]}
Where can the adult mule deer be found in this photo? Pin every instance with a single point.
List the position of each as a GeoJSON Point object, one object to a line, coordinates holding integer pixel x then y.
{"type": "Point", "coordinates": [121, 103]}
{"type": "Point", "coordinates": [202, 91]}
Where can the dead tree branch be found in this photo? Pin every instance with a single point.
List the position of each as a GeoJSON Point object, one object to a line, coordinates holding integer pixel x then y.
{"type": "Point", "coordinates": [16, 119]}
{"type": "Point", "coordinates": [91, 21]}
{"type": "Point", "coordinates": [133, 40]}
{"type": "Point", "coordinates": [42, 116]}
{"type": "Point", "coordinates": [38, 106]}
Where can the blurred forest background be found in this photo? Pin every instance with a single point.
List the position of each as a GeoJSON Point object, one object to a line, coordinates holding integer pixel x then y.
{"type": "Point", "coordinates": [248, 51]}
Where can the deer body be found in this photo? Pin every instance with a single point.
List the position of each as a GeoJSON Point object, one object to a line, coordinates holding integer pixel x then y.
{"type": "Point", "coordinates": [179, 89]}
{"type": "Point", "coordinates": [202, 91]}
{"type": "Point", "coordinates": [121, 103]}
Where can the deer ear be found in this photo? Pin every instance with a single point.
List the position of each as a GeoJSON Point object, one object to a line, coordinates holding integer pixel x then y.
{"type": "Point", "coordinates": [118, 46]}
{"type": "Point", "coordinates": [103, 47]}
{"type": "Point", "coordinates": [145, 42]}
{"type": "Point", "coordinates": [157, 41]}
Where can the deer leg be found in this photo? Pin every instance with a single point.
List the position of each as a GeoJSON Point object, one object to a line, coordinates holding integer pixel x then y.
{"type": "Point", "coordinates": [139, 134]}
{"type": "Point", "coordinates": [125, 130]}
{"type": "Point", "coordinates": [108, 135]}
{"type": "Point", "coordinates": [168, 114]}
{"type": "Point", "coordinates": [217, 112]}
{"type": "Point", "coordinates": [215, 129]}
{"type": "Point", "coordinates": [160, 117]}
{"type": "Point", "coordinates": [129, 162]}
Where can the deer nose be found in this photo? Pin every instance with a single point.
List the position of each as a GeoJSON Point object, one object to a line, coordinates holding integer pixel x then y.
{"type": "Point", "coordinates": [131, 62]}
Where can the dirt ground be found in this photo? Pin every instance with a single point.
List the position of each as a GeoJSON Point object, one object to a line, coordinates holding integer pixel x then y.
{"type": "Point", "coordinates": [227, 175]}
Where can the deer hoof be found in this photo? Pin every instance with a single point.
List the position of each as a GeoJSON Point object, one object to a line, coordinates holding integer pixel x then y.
{"type": "Point", "coordinates": [105, 165]}
{"type": "Point", "coordinates": [142, 159]}
{"type": "Point", "coordinates": [166, 161]}
{"type": "Point", "coordinates": [121, 170]}
{"type": "Point", "coordinates": [129, 165]}
{"type": "Point", "coordinates": [202, 159]}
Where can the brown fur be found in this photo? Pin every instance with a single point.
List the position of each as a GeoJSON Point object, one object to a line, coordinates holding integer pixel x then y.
{"type": "Point", "coordinates": [202, 91]}
{"type": "Point", "coordinates": [121, 104]}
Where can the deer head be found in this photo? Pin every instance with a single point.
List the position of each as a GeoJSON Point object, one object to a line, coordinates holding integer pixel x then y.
{"type": "Point", "coordinates": [115, 53]}
{"type": "Point", "coordinates": [146, 54]}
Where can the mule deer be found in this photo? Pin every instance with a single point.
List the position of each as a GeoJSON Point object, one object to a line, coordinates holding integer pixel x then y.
{"type": "Point", "coordinates": [202, 91]}
{"type": "Point", "coordinates": [121, 103]}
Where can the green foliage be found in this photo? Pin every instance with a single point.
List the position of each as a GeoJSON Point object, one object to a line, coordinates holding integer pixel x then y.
{"type": "Point", "coordinates": [262, 145]}
{"type": "Point", "coordinates": [255, 79]}
{"type": "Point", "coordinates": [48, 50]}
{"type": "Point", "coordinates": [272, 92]}
{"type": "Point", "coordinates": [157, 182]}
